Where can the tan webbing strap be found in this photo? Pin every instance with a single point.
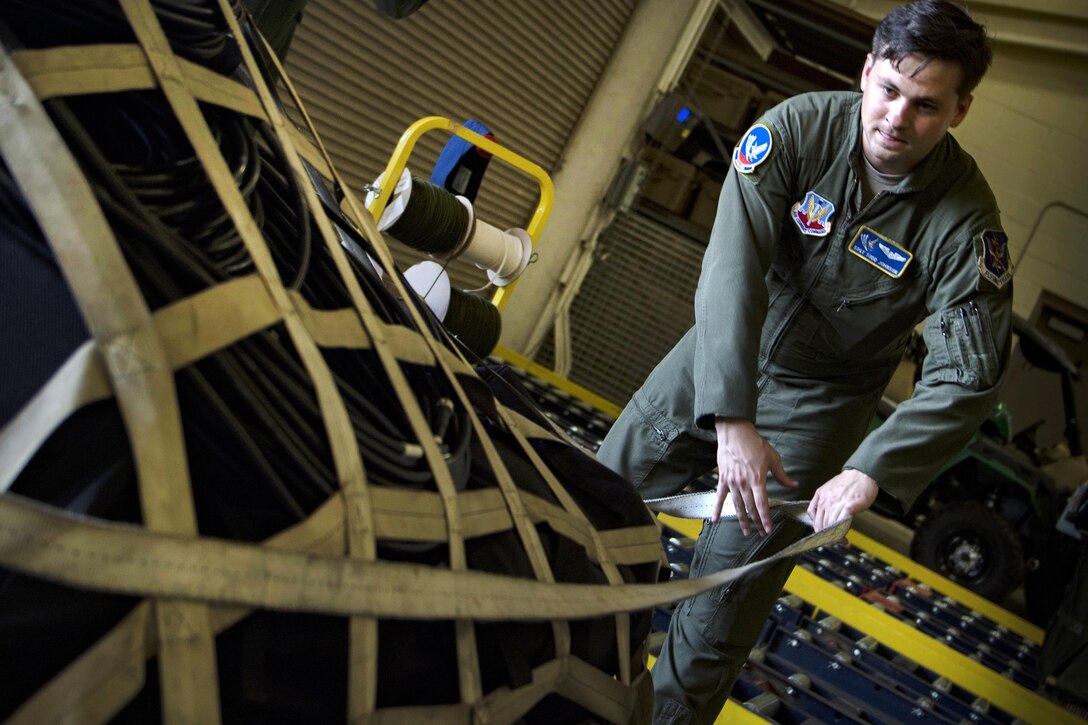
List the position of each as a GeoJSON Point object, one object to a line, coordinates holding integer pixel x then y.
{"type": "Point", "coordinates": [363, 671]}
{"type": "Point", "coordinates": [99, 683]}
{"type": "Point", "coordinates": [75, 70]}
{"type": "Point", "coordinates": [589, 538]}
{"type": "Point", "coordinates": [635, 545]}
{"type": "Point", "coordinates": [468, 665]}
{"type": "Point", "coordinates": [165, 66]}
{"type": "Point", "coordinates": [189, 330]}
{"type": "Point", "coordinates": [592, 688]}
{"type": "Point", "coordinates": [107, 675]}
{"type": "Point", "coordinates": [308, 151]}
{"type": "Point", "coordinates": [90, 676]}
{"type": "Point", "coordinates": [343, 446]}
{"type": "Point", "coordinates": [467, 661]}
{"type": "Point", "coordinates": [600, 552]}
{"type": "Point", "coordinates": [195, 327]}
{"type": "Point", "coordinates": [459, 714]}
{"type": "Point", "coordinates": [342, 328]}
{"type": "Point", "coordinates": [418, 516]}
{"type": "Point", "coordinates": [121, 325]}
{"type": "Point", "coordinates": [568, 676]}
{"type": "Point", "coordinates": [642, 545]}
{"type": "Point", "coordinates": [453, 364]}
{"type": "Point", "coordinates": [596, 546]}
{"type": "Point", "coordinates": [107, 68]}
{"type": "Point", "coordinates": [51, 544]}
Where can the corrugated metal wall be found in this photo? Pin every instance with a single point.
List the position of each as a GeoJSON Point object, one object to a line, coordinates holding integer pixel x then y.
{"type": "Point", "coordinates": [524, 68]}
{"type": "Point", "coordinates": [635, 303]}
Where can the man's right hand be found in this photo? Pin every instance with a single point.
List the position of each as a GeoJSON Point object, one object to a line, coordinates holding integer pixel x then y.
{"type": "Point", "coordinates": [744, 458]}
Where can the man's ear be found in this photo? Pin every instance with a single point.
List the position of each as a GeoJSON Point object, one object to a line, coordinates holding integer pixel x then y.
{"type": "Point", "coordinates": [961, 111]}
{"type": "Point", "coordinates": [865, 70]}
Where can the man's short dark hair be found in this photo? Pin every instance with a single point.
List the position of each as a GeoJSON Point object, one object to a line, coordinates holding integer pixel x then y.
{"type": "Point", "coordinates": [935, 29]}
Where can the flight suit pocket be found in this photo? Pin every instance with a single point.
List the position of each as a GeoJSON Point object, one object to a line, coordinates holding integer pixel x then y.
{"type": "Point", "coordinates": [664, 430]}
{"type": "Point", "coordinates": [655, 434]}
{"type": "Point", "coordinates": [962, 339]}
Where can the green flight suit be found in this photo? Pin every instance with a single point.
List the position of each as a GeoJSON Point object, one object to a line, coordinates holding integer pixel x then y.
{"type": "Point", "coordinates": [803, 311]}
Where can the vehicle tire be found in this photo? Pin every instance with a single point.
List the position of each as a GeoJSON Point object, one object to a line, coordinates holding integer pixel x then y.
{"type": "Point", "coordinates": [973, 546]}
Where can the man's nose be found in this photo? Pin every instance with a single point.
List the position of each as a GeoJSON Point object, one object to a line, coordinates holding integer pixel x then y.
{"type": "Point", "coordinates": [897, 114]}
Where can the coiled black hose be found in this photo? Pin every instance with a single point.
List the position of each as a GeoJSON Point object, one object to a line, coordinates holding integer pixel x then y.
{"type": "Point", "coordinates": [252, 402]}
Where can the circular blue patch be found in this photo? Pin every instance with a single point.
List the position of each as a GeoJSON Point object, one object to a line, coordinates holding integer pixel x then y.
{"type": "Point", "coordinates": [753, 149]}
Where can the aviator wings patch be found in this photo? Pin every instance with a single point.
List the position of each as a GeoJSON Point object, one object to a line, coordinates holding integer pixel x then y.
{"type": "Point", "coordinates": [881, 252]}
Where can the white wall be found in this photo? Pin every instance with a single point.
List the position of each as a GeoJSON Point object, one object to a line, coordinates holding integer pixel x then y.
{"type": "Point", "coordinates": [624, 95]}
{"type": "Point", "coordinates": [1028, 130]}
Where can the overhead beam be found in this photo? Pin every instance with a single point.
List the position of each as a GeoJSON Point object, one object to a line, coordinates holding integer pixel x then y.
{"type": "Point", "coordinates": [1059, 26]}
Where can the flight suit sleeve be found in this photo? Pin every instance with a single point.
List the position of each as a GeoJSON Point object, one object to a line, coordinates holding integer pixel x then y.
{"type": "Point", "coordinates": [731, 297]}
{"type": "Point", "coordinates": [968, 339]}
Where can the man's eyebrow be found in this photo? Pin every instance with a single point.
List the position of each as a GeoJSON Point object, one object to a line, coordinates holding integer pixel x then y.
{"type": "Point", "coordinates": [932, 100]}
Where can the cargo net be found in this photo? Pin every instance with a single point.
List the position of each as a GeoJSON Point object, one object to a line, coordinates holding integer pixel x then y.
{"type": "Point", "coordinates": [247, 476]}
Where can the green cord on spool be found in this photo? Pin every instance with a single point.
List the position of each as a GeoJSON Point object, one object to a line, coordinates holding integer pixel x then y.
{"type": "Point", "coordinates": [474, 321]}
{"type": "Point", "coordinates": [433, 221]}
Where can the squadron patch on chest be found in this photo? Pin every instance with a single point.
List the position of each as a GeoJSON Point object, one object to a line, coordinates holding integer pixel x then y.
{"type": "Point", "coordinates": [994, 264]}
{"type": "Point", "coordinates": [812, 215]}
{"type": "Point", "coordinates": [881, 252]}
{"type": "Point", "coordinates": [753, 149]}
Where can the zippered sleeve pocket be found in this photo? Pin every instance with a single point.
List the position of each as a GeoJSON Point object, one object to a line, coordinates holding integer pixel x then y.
{"type": "Point", "coordinates": [961, 346]}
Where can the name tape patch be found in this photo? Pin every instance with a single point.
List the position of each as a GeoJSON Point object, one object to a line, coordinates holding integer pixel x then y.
{"type": "Point", "coordinates": [753, 149]}
{"type": "Point", "coordinates": [881, 252]}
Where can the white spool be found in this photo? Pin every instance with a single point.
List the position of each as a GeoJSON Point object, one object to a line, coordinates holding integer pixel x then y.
{"type": "Point", "coordinates": [504, 255]}
{"type": "Point", "coordinates": [430, 281]}
{"type": "Point", "coordinates": [397, 202]}
{"type": "Point", "coordinates": [470, 227]}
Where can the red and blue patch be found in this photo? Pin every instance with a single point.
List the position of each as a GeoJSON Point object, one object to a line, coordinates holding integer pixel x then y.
{"type": "Point", "coordinates": [994, 264]}
{"type": "Point", "coordinates": [753, 149]}
{"type": "Point", "coordinates": [812, 215]}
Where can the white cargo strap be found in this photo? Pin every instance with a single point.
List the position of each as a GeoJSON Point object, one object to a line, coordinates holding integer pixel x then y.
{"type": "Point", "coordinates": [701, 506]}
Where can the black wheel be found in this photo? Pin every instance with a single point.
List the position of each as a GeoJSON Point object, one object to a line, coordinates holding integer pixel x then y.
{"type": "Point", "coordinates": [973, 546]}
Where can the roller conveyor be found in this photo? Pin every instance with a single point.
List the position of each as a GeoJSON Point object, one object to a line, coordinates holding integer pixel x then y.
{"type": "Point", "coordinates": [933, 614]}
{"type": "Point", "coordinates": [861, 634]}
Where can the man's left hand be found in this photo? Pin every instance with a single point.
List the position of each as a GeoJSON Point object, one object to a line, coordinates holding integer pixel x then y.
{"type": "Point", "coordinates": [844, 495]}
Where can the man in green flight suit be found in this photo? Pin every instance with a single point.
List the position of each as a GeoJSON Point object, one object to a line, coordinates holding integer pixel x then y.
{"type": "Point", "coordinates": [846, 220]}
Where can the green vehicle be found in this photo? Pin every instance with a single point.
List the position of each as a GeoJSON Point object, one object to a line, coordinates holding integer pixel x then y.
{"type": "Point", "coordinates": [987, 521]}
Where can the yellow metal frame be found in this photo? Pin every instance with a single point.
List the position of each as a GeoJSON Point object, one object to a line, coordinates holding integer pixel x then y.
{"type": "Point", "coordinates": [408, 141]}
{"type": "Point", "coordinates": [558, 381]}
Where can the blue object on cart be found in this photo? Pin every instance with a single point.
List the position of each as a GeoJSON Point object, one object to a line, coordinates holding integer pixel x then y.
{"type": "Point", "coordinates": [461, 165]}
